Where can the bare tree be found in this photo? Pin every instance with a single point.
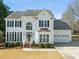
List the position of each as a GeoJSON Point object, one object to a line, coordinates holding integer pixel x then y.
{"type": "Point", "coordinates": [71, 15]}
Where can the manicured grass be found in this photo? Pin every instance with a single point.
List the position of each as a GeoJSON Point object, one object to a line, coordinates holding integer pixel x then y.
{"type": "Point", "coordinates": [14, 53]}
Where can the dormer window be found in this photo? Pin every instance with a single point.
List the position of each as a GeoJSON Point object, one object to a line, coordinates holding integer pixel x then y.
{"type": "Point", "coordinates": [43, 23]}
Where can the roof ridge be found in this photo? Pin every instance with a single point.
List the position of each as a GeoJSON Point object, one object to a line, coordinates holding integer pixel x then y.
{"type": "Point", "coordinates": [29, 12]}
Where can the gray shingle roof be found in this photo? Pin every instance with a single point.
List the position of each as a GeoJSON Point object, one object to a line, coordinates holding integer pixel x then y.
{"type": "Point", "coordinates": [61, 25]}
{"type": "Point", "coordinates": [18, 14]}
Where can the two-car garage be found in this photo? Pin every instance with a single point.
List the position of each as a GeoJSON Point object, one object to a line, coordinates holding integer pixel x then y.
{"type": "Point", "coordinates": [62, 32]}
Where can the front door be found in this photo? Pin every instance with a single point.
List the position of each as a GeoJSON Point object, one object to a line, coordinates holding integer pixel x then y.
{"type": "Point", "coordinates": [29, 37]}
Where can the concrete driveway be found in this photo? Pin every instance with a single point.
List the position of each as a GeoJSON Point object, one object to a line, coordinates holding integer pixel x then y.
{"type": "Point", "coordinates": [69, 50]}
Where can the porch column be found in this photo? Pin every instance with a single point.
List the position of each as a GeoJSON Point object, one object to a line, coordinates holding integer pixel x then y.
{"type": "Point", "coordinates": [6, 31]}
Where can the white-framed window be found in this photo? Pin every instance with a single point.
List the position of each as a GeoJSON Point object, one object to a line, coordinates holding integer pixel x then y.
{"type": "Point", "coordinates": [44, 38]}
{"type": "Point", "coordinates": [40, 36]}
{"type": "Point", "coordinates": [14, 36]}
{"type": "Point", "coordinates": [18, 23]}
{"type": "Point", "coordinates": [29, 26]}
{"type": "Point", "coordinates": [10, 23]}
{"type": "Point", "coordinates": [18, 36]}
{"type": "Point", "coordinates": [43, 23]}
{"type": "Point", "coordinates": [47, 37]}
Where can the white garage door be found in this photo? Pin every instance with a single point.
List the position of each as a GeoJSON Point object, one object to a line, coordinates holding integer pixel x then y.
{"type": "Point", "coordinates": [62, 36]}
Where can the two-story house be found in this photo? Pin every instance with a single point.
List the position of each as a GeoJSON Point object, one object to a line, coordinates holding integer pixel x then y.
{"type": "Point", "coordinates": [39, 26]}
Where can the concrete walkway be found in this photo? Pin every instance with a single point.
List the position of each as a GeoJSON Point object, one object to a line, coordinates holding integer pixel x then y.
{"type": "Point", "coordinates": [70, 50]}
{"type": "Point", "coordinates": [30, 49]}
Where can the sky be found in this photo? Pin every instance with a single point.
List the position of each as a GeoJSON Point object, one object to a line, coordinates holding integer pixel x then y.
{"type": "Point", "coordinates": [56, 6]}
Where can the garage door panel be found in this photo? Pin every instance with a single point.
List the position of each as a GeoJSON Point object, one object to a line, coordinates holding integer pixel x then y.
{"type": "Point", "coordinates": [62, 36]}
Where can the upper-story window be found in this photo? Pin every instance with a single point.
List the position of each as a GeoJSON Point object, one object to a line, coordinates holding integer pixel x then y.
{"type": "Point", "coordinates": [29, 26]}
{"type": "Point", "coordinates": [43, 23]}
{"type": "Point", "coordinates": [10, 23]}
{"type": "Point", "coordinates": [18, 24]}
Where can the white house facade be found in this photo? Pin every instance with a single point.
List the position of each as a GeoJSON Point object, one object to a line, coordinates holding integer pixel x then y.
{"type": "Point", "coordinates": [37, 26]}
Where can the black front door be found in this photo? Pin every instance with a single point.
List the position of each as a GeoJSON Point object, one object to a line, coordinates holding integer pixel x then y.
{"type": "Point", "coordinates": [28, 36]}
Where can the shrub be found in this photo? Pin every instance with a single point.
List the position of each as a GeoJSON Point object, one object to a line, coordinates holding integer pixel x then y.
{"type": "Point", "coordinates": [36, 45]}
{"type": "Point", "coordinates": [10, 45]}
{"type": "Point", "coordinates": [17, 44]}
{"type": "Point", "coordinates": [47, 45]}
{"type": "Point", "coordinates": [6, 44]}
{"type": "Point", "coordinates": [42, 45]}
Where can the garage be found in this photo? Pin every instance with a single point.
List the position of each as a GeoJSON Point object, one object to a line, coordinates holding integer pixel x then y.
{"type": "Point", "coordinates": [62, 32]}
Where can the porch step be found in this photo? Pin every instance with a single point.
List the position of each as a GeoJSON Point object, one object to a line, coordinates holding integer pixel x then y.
{"type": "Point", "coordinates": [27, 45]}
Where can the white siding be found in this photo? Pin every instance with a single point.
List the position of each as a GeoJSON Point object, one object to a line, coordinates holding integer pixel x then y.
{"type": "Point", "coordinates": [35, 27]}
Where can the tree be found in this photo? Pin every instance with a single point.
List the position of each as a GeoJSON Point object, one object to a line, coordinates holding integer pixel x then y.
{"type": "Point", "coordinates": [1, 36]}
{"type": "Point", "coordinates": [4, 11]}
{"type": "Point", "coordinates": [71, 15]}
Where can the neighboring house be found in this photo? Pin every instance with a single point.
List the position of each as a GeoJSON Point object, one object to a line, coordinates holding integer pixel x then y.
{"type": "Point", "coordinates": [37, 26]}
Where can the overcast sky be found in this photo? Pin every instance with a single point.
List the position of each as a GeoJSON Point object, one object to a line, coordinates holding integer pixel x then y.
{"type": "Point", "coordinates": [57, 6]}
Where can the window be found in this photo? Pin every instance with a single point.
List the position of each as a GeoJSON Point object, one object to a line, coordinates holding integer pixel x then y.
{"type": "Point", "coordinates": [14, 36]}
{"type": "Point", "coordinates": [48, 23]}
{"type": "Point", "coordinates": [17, 36]}
{"type": "Point", "coordinates": [44, 38]}
{"type": "Point", "coordinates": [7, 23]}
{"type": "Point", "coordinates": [47, 38]}
{"type": "Point", "coordinates": [39, 23]}
{"type": "Point", "coordinates": [10, 36]}
{"type": "Point", "coordinates": [40, 37]}
{"type": "Point", "coordinates": [28, 26]}
{"type": "Point", "coordinates": [43, 23]}
{"type": "Point", "coordinates": [20, 36]}
{"type": "Point", "coordinates": [18, 23]}
{"type": "Point", "coordinates": [10, 23]}
{"type": "Point", "coordinates": [15, 23]}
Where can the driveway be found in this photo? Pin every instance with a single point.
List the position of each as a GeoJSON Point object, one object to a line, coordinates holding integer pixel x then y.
{"type": "Point", "coordinates": [69, 50]}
